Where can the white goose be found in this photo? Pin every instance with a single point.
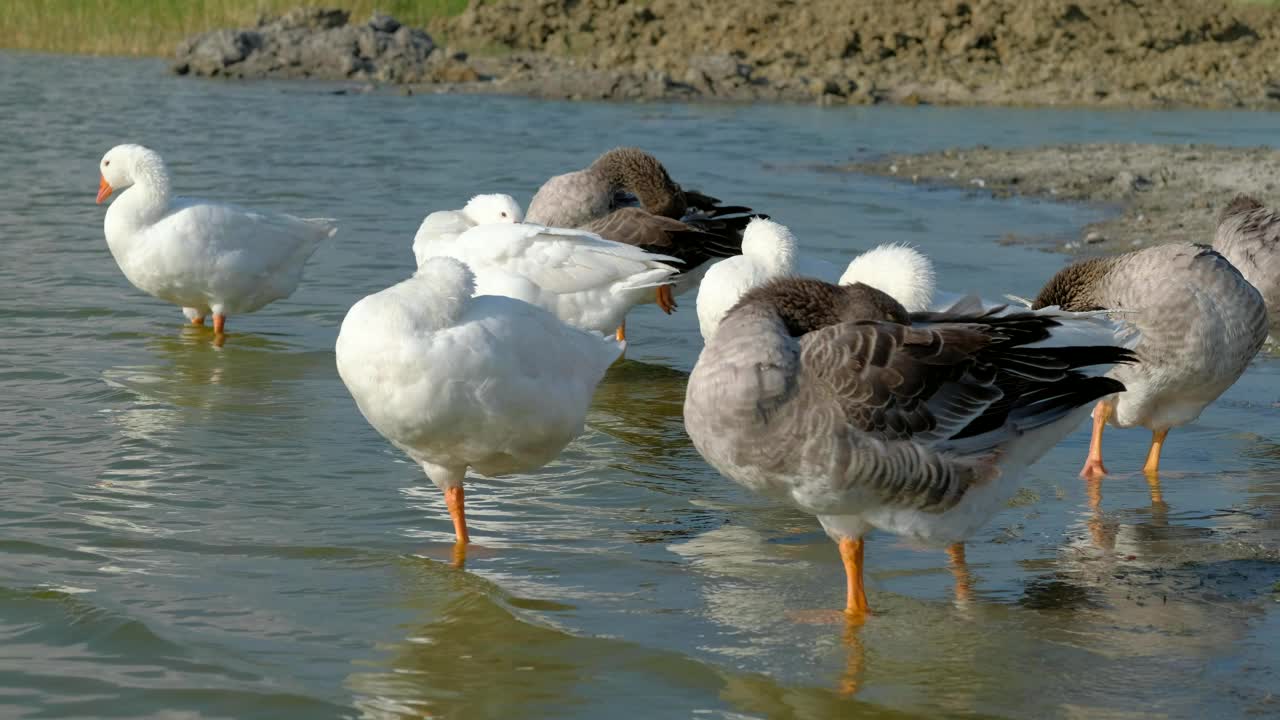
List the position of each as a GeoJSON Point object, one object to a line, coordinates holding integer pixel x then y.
{"type": "Point", "coordinates": [442, 227]}
{"type": "Point", "coordinates": [204, 256]}
{"type": "Point", "coordinates": [457, 381]}
{"type": "Point", "coordinates": [770, 250]}
{"type": "Point", "coordinates": [585, 280]}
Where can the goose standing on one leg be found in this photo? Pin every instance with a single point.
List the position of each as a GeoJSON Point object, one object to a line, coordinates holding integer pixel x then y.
{"type": "Point", "coordinates": [837, 400]}
{"type": "Point", "coordinates": [1198, 322]}
{"type": "Point", "coordinates": [627, 196]}
{"type": "Point", "coordinates": [1249, 236]}
{"type": "Point", "coordinates": [203, 256]}
{"type": "Point", "coordinates": [456, 381]}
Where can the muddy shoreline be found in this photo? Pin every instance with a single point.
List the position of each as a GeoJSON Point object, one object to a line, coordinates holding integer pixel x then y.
{"type": "Point", "coordinates": [1161, 193]}
{"type": "Point", "coordinates": [1109, 53]}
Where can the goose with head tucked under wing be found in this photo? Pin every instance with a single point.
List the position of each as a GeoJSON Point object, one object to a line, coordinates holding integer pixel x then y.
{"type": "Point", "coordinates": [1249, 236]}
{"type": "Point", "coordinates": [441, 228]}
{"type": "Point", "coordinates": [836, 399]}
{"type": "Point", "coordinates": [587, 281]}
{"type": "Point", "coordinates": [204, 256]}
{"type": "Point", "coordinates": [627, 195]}
{"type": "Point", "coordinates": [459, 381]}
{"type": "Point", "coordinates": [1196, 321]}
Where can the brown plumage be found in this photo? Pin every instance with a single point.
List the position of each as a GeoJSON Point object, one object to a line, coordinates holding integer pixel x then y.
{"type": "Point", "coordinates": [640, 173]}
{"type": "Point", "coordinates": [836, 399]}
{"type": "Point", "coordinates": [1239, 204]}
{"type": "Point", "coordinates": [1075, 287]}
{"type": "Point", "coordinates": [626, 195]}
{"type": "Point", "coordinates": [806, 304]}
{"type": "Point", "coordinates": [888, 368]}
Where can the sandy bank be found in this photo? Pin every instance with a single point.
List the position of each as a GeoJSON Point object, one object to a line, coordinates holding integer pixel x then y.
{"type": "Point", "coordinates": [1163, 192]}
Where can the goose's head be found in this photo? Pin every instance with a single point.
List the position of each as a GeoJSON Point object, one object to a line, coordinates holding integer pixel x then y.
{"type": "Point", "coordinates": [124, 165]}
{"type": "Point", "coordinates": [769, 243]}
{"type": "Point", "coordinates": [490, 209]}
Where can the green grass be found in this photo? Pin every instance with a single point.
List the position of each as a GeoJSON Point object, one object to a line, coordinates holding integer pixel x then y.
{"type": "Point", "coordinates": [154, 27]}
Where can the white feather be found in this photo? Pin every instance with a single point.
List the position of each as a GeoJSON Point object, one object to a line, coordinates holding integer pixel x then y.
{"type": "Point", "coordinates": [458, 381]}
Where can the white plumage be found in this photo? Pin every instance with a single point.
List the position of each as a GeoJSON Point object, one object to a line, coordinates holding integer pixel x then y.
{"type": "Point", "coordinates": [204, 256]}
{"type": "Point", "coordinates": [899, 271]}
{"type": "Point", "coordinates": [770, 251]}
{"type": "Point", "coordinates": [441, 228]}
{"type": "Point", "coordinates": [585, 280]}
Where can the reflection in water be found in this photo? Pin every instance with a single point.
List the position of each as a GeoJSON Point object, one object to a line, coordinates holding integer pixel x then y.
{"type": "Point", "coordinates": [467, 655]}
{"type": "Point", "coordinates": [737, 561]}
{"type": "Point", "coordinates": [643, 406]}
{"type": "Point", "coordinates": [252, 373]}
{"type": "Point", "coordinates": [1150, 591]}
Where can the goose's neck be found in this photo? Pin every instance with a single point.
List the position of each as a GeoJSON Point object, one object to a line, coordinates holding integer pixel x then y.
{"type": "Point", "coordinates": [642, 176]}
{"type": "Point", "coordinates": [779, 261]}
{"type": "Point", "coordinates": [140, 205]}
{"type": "Point", "coordinates": [752, 334]}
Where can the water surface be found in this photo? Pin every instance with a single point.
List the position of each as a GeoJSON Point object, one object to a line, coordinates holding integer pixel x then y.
{"type": "Point", "coordinates": [200, 532]}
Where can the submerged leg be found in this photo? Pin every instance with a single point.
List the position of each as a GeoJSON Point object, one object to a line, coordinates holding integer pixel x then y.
{"type": "Point", "coordinates": [1093, 467]}
{"type": "Point", "coordinates": [621, 334]}
{"type": "Point", "coordinates": [453, 497]}
{"type": "Point", "coordinates": [666, 300]}
{"type": "Point", "coordinates": [960, 571]}
{"type": "Point", "coordinates": [856, 606]}
{"type": "Point", "coordinates": [194, 316]}
{"type": "Point", "coordinates": [1153, 455]}
{"type": "Point", "coordinates": [219, 322]}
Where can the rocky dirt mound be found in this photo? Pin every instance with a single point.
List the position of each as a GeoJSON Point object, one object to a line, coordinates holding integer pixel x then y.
{"type": "Point", "coordinates": [1113, 52]}
{"type": "Point", "coordinates": [318, 43]}
{"type": "Point", "coordinates": [1215, 53]}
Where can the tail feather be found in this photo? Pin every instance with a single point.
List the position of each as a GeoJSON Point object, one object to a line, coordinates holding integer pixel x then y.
{"type": "Point", "coordinates": [327, 226]}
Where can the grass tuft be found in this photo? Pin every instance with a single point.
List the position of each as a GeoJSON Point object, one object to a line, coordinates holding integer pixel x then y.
{"type": "Point", "coordinates": [154, 27]}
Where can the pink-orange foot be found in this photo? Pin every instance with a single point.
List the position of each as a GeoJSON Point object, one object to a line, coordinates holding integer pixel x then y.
{"type": "Point", "coordinates": [666, 300]}
{"type": "Point", "coordinates": [1093, 469]}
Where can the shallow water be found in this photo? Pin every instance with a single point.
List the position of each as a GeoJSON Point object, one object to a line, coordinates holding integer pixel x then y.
{"type": "Point", "coordinates": [200, 532]}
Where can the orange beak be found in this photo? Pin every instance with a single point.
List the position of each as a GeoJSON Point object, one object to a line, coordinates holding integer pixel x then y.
{"type": "Point", "coordinates": [104, 189]}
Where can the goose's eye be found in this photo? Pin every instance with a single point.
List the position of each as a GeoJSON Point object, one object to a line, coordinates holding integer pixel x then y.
{"type": "Point", "coordinates": [504, 214]}
{"type": "Point", "coordinates": [106, 163]}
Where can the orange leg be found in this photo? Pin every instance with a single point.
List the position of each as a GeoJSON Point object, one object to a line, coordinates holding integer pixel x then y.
{"type": "Point", "coordinates": [621, 334]}
{"type": "Point", "coordinates": [219, 322]}
{"type": "Point", "coordinates": [1153, 455]}
{"type": "Point", "coordinates": [198, 321]}
{"type": "Point", "coordinates": [1093, 467]}
{"type": "Point", "coordinates": [960, 570]}
{"type": "Point", "coordinates": [856, 606]}
{"type": "Point", "coordinates": [666, 300]}
{"type": "Point", "coordinates": [454, 499]}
